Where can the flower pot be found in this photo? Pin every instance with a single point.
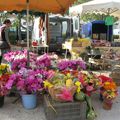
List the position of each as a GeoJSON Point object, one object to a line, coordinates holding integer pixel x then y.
{"type": "Point", "coordinates": [1, 101]}
{"type": "Point", "coordinates": [107, 104]}
{"type": "Point", "coordinates": [29, 101]}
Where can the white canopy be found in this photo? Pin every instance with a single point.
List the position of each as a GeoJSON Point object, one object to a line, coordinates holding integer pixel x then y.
{"type": "Point", "coordinates": [101, 6]}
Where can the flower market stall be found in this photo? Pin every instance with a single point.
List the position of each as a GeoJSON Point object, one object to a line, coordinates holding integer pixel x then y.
{"type": "Point", "coordinates": [76, 46]}
{"type": "Point", "coordinates": [66, 85]}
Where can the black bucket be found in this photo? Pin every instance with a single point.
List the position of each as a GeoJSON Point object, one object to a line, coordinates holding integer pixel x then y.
{"type": "Point", "coordinates": [1, 101]}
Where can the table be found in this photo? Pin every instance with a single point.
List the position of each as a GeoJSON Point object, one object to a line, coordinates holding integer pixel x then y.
{"type": "Point", "coordinates": [45, 48]}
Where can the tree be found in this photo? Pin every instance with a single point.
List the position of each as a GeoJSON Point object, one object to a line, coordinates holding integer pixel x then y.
{"type": "Point", "coordinates": [81, 1]}
{"type": "Point", "coordinates": [91, 16]}
{"type": "Point", "coordinates": [3, 16]}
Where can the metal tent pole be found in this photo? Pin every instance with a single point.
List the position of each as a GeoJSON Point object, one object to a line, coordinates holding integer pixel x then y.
{"type": "Point", "coordinates": [28, 42]}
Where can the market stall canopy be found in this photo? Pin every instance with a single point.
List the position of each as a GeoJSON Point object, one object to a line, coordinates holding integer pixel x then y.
{"type": "Point", "coordinates": [98, 6]}
{"type": "Point", "coordinates": [48, 6]}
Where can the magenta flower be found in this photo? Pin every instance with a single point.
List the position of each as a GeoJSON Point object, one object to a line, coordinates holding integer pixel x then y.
{"type": "Point", "coordinates": [43, 61]}
{"type": "Point", "coordinates": [65, 95]}
{"type": "Point", "coordinates": [71, 64]}
{"type": "Point", "coordinates": [28, 80]}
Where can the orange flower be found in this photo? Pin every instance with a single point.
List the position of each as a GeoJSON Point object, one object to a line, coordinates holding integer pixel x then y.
{"type": "Point", "coordinates": [65, 72]}
{"type": "Point", "coordinates": [110, 86]}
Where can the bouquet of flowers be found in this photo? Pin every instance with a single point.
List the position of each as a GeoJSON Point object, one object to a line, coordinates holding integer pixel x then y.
{"type": "Point", "coordinates": [109, 90]}
{"type": "Point", "coordinates": [43, 61]}
{"type": "Point", "coordinates": [18, 64]}
{"type": "Point", "coordinates": [28, 81]}
{"type": "Point", "coordinates": [71, 64]}
{"type": "Point", "coordinates": [61, 86]}
{"type": "Point", "coordinates": [11, 56]}
{"type": "Point", "coordinates": [18, 59]}
{"type": "Point", "coordinates": [19, 54]}
{"type": "Point", "coordinates": [90, 82]}
{"type": "Point", "coordinates": [4, 79]}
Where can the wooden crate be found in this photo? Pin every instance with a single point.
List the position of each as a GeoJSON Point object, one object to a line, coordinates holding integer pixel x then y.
{"type": "Point", "coordinates": [64, 111]}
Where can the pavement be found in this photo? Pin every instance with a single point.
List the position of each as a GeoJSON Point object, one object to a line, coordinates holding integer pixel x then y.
{"type": "Point", "coordinates": [113, 114]}
{"type": "Point", "coordinates": [16, 111]}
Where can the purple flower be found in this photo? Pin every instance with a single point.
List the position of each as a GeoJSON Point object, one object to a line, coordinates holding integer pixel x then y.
{"type": "Point", "coordinates": [43, 61]}
{"type": "Point", "coordinates": [71, 64]}
{"type": "Point", "coordinates": [28, 80]}
{"type": "Point", "coordinates": [9, 84]}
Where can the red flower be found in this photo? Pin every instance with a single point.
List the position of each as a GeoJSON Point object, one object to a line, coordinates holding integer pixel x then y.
{"type": "Point", "coordinates": [105, 78]}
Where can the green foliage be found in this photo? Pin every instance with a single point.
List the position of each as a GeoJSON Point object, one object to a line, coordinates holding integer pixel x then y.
{"type": "Point", "coordinates": [3, 17]}
{"type": "Point", "coordinates": [81, 1]}
{"type": "Point", "coordinates": [91, 16]}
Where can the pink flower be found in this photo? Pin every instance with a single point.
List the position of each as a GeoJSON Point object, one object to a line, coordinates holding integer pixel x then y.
{"type": "Point", "coordinates": [89, 88]}
{"type": "Point", "coordinates": [65, 95]}
{"type": "Point", "coordinates": [71, 64]}
{"type": "Point", "coordinates": [20, 84]}
{"type": "Point", "coordinates": [9, 84]}
{"type": "Point", "coordinates": [51, 74]}
{"type": "Point", "coordinates": [28, 80]}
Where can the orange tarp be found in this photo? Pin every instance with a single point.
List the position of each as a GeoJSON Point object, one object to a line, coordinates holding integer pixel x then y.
{"type": "Point", "coordinates": [54, 6]}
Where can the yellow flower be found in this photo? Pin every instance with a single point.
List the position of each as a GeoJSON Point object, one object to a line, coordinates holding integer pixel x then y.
{"type": "Point", "coordinates": [68, 75]}
{"type": "Point", "coordinates": [47, 84]}
{"type": "Point", "coordinates": [69, 82]}
{"type": "Point", "coordinates": [78, 90]}
{"type": "Point", "coordinates": [3, 66]}
{"type": "Point", "coordinates": [107, 83]}
{"type": "Point", "coordinates": [78, 85]}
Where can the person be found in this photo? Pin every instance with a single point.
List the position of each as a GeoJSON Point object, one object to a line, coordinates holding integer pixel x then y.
{"type": "Point", "coordinates": [4, 39]}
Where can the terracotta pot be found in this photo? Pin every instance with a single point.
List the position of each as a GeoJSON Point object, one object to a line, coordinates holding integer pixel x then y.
{"type": "Point", "coordinates": [107, 104]}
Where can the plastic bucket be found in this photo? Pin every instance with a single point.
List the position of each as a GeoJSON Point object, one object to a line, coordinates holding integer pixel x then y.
{"type": "Point", "coordinates": [29, 101]}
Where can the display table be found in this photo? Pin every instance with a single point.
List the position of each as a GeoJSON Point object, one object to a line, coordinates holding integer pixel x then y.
{"type": "Point", "coordinates": [103, 49]}
{"type": "Point", "coordinates": [76, 47]}
{"type": "Point", "coordinates": [115, 70]}
{"type": "Point", "coordinates": [45, 48]}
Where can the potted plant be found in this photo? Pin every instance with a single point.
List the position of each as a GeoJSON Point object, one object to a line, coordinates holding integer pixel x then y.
{"type": "Point", "coordinates": [4, 80]}
{"type": "Point", "coordinates": [18, 59]}
{"type": "Point", "coordinates": [109, 93]}
{"type": "Point", "coordinates": [28, 82]}
{"type": "Point", "coordinates": [77, 64]}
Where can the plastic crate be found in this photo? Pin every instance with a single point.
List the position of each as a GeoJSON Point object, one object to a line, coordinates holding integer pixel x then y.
{"type": "Point", "coordinates": [64, 111]}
